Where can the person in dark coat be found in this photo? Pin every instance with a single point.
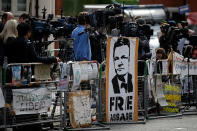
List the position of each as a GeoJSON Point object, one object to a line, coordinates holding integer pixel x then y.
{"type": "Point", "coordinates": [5, 17]}
{"type": "Point", "coordinates": [22, 51]}
{"type": "Point", "coordinates": [122, 81]}
{"type": "Point", "coordinates": [7, 36]}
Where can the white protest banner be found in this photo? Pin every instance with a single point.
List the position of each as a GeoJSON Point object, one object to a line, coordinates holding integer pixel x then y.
{"type": "Point", "coordinates": [121, 79]}
{"type": "Point", "coordinates": [64, 77]}
{"type": "Point", "coordinates": [92, 71]}
{"type": "Point", "coordinates": [76, 75]}
{"type": "Point", "coordinates": [2, 100]}
{"type": "Point", "coordinates": [165, 67]}
{"type": "Point", "coordinates": [84, 71]}
{"type": "Point", "coordinates": [31, 101]}
{"type": "Point", "coordinates": [180, 65]}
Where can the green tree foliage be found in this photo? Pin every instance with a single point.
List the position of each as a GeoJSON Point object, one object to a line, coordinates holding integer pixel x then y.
{"type": "Point", "coordinates": [73, 7]}
{"type": "Point", "coordinates": [129, 2]}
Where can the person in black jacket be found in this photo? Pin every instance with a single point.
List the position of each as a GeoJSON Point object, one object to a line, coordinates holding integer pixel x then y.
{"type": "Point", "coordinates": [7, 36]}
{"type": "Point", "coordinates": [22, 51]}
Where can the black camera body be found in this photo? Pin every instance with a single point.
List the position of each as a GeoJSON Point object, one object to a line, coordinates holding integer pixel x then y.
{"type": "Point", "coordinates": [132, 29]}
{"type": "Point", "coordinates": [175, 34]}
{"type": "Point", "coordinates": [143, 32]}
{"type": "Point", "coordinates": [107, 16]}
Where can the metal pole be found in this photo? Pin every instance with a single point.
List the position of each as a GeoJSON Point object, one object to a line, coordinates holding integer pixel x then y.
{"type": "Point", "coordinates": [184, 2]}
{"type": "Point", "coordinates": [61, 119]}
{"type": "Point", "coordinates": [123, 9]}
{"type": "Point", "coordinates": [37, 7]}
{"type": "Point", "coordinates": [65, 108]}
{"type": "Point", "coordinates": [188, 84]}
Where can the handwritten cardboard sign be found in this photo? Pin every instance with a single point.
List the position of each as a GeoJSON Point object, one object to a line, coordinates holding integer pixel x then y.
{"type": "Point", "coordinates": [80, 109]}
{"type": "Point", "coordinates": [42, 72]}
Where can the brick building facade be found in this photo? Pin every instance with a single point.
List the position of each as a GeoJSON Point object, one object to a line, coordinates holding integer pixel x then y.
{"type": "Point", "coordinates": [172, 3]}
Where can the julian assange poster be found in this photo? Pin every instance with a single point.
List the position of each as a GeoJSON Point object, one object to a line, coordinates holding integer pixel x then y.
{"type": "Point", "coordinates": [121, 79]}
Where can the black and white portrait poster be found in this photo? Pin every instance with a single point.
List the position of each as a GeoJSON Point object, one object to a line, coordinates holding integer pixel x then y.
{"type": "Point", "coordinates": [121, 79]}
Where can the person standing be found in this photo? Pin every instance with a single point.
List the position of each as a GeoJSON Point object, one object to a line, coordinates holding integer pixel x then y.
{"type": "Point", "coordinates": [22, 51]}
{"type": "Point", "coordinates": [82, 48]}
{"type": "Point", "coordinates": [5, 17]}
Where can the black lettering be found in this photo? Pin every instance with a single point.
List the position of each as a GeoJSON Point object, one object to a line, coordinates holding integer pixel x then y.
{"type": "Point", "coordinates": [129, 102]}
{"type": "Point", "coordinates": [117, 117]}
{"type": "Point", "coordinates": [36, 105]}
{"type": "Point", "coordinates": [127, 116]}
{"type": "Point", "coordinates": [119, 103]}
{"type": "Point", "coordinates": [111, 102]}
{"type": "Point", "coordinates": [26, 106]}
{"type": "Point", "coordinates": [111, 118]}
{"type": "Point", "coordinates": [31, 106]}
{"type": "Point", "coordinates": [130, 116]}
{"type": "Point", "coordinates": [22, 108]}
{"type": "Point", "coordinates": [42, 103]}
{"type": "Point", "coordinates": [122, 117]}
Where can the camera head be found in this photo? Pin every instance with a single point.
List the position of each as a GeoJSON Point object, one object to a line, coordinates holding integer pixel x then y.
{"type": "Point", "coordinates": [184, 24]}
{"type": "Point", "coordinates": [164, 28]}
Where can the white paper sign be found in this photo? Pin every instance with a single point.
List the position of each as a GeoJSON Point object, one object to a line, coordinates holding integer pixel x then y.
{"type": "Point", "coordinates": [2, 100]}
{"type": "Point", "coordinates": [31, 101]}
{"type": "Point", "coordinates": [92, 71]}
{"type": "Point", "coordinates": [82, 114]}
{"type": "Point", "coordinates": [164, 67]}
{"type": "Point", "coordinates": [121, 79]}
{"type": "Point", "coordinates": [64, 77]}
{"type": "Point", "coordinates": [180, 65]}
{"type": "Point", "coordinates": [76, 74]}
{"type": "Point", "coordinates": [84, 72]}
{"type": "Point", "coordinates": [160, 92]}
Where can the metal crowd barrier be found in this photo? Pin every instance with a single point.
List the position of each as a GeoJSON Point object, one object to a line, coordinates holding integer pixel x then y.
{"type": "Point", "coordinates": [142, 92]}
{"type": "Point", "coordinates": [34, 111]}
{"type": "Point", "coordinates": [95, 88]}
{"type": "Point", "coordinates": [187, 100]}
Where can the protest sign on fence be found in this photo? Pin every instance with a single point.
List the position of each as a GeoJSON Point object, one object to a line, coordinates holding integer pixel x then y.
{"type": "Point", "coordinates": [31, 101]}
{"type": "Point", "coordinates": [79, 109]}
{"type": "Point", "coordinates": [64, 76]}
{"type": "Point", "coordinates": [84, 71]}
{"type": "Point", "coordinates": [121, 80]}
{"type": "Point", "coordinates": [173, 97]}
{"type": "Point", "coordinates": [42, 72]}
{"type": "Point", "coordinates": [2, 100]}
{"type": "Point", "coordinates": [180, 65]}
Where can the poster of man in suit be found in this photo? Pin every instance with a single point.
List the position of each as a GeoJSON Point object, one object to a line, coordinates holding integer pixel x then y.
{"type": "Point", "coordinates": [121, 79]}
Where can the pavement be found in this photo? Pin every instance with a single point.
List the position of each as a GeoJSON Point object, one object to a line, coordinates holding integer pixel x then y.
{"type": "Point", "coordinates": [183, 123]}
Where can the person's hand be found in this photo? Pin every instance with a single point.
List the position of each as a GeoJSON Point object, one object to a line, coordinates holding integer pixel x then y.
{"type": "Point", "coordinates": [58, 59]}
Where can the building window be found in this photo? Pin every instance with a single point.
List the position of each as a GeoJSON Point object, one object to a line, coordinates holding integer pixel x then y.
{"type": "Point", "coordinates": [6, 5]}
{"type": "Point", "coordinates": [21, 5]}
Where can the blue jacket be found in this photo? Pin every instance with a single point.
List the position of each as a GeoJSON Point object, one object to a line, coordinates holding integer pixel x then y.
{"type": "Point", "coordinates": [82, 49]}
